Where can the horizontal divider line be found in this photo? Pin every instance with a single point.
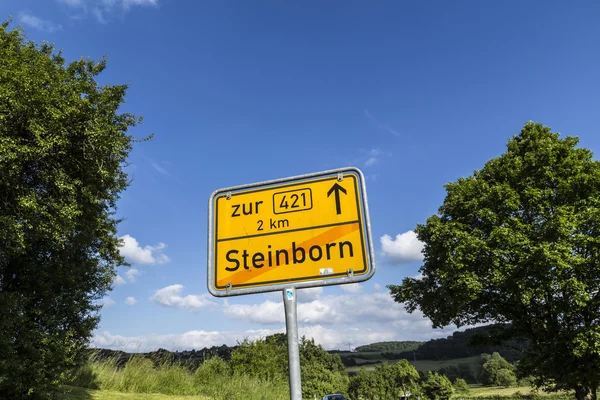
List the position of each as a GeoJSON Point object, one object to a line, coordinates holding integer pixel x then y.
{"type": "Point", "coordinates": [289, 231]}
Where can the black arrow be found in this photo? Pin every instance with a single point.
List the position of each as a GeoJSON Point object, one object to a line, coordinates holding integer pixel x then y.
{"type": "Point", "coordinates": [337, 189]}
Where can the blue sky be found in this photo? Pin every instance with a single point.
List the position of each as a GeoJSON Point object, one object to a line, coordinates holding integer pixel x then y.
{"type": "Point", "coordinates": [416, 94]}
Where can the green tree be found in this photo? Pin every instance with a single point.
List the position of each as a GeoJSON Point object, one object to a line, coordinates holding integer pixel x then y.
{"type": "Point", "coordinates": [437, 387]}
{"type": "Point", "coordinates": [518, 242]}
{"type": "Point", "coordinates": [526, 381]}
{"type": "Point", "coordinates": [461, 386]}
{"type": "Point", "coordinates": [265, 359]}
{"type": "Point", "coordinates": [383, 381]}
{"type": "Point", "coordinates": [63, 146]}
{"type": "Point", "coordinates": [362, 385]}
{"type": "Point", "coordinates": [406, 377]}
{"type": "Point", "coordinates": [492, 367]}
{"type": "Point", "coordinates": [506, 378]}
{"type": "Point", "coordinates": [393, 380]}
{"type": "Point", "coordinates": [321, 372]}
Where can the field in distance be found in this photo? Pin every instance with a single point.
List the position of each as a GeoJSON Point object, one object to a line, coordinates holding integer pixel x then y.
{"type": "Point", "coordinates": [494, 392]}
{"type": "Point", "coordinates": [74, 393]}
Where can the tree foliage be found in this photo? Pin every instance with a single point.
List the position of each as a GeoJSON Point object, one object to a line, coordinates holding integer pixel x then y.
{"type": "Point", "coordinates": [496, 371]}
{"type": "Point", "coordinates": [62, 148]}
{"type": "Point", "coordinates": [362, 385]}
{"type": "Point", "coordinates": [395, 347]}
{"type": "Point", "coordinates": [267, 359]}
{"type": "Point", "coordinates": [461, 386]}
{"type": "Point", "coordinates": [459, 371]}
{"type": "Point", "coordinates": [321, 372]}
{"type": "Point", "coordinates": [388, 381]}
{"type": "Point", "coordinates": [506, 378]}
{"type": "Point", "coordinates": [437, 387]}
{"type": "Point", "coordinates": [518, 242]}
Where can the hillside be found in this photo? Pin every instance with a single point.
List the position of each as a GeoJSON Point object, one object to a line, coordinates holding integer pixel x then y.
{"type": "Point", "coordinates": [396, 347]}
{"type": "Point", "coordinates": [462, 344]}
{"type": "Point", "coordinates": [458, 345]}
{"type": "Point", "coordinates": [187, 357]}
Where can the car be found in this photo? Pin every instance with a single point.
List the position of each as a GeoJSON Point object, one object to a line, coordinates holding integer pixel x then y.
{"type": "Point", "coordinates": [335, 396]}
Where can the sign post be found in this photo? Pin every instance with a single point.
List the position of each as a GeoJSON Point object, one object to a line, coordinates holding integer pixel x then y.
{"type": "Point", "coordinates": [288, 234]}
{"type": "Point", "coordinates": [291, 326]}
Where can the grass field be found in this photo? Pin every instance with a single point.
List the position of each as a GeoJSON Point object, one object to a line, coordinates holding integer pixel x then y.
{"type": "Point", "coordinates": [73, 393]}
{"type": "Point", "coordinates": [494, 392]}
{"type": "Point", "coordinates": [141, 379]}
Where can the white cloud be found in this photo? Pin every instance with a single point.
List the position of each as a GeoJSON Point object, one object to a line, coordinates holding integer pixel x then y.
{"type": "Point", "coordinates": [110, 3]}
{"type": "Point", "coordinates": [132, 274]}
{"type": "Point", "coordinates": [129, 3]}
{"type": "Point", "coordinates": [372, 157]}
{"type": "Point", "coordinates": [371, 161]}
{"type": "Point", "coordinates": [135, 254]}
{"type": "Point", "coordinates": [348, 309]}
{"type": "Point", "coordinates": [99, 14]}
{"type": "Point", "coordinates": [329, 338]}
{"type": "Point", "coordinates": [103, 9]}
{"type": "Point", "coordinates": [130, 301]}
{"type": "Point", "coordinates": [352, 288]}
{"type": "Point", "coordinates": [119, 280]}
{"type": "Point", "coordinates": [37, 23]}
{"type": "Point", "coordinates": [419, 275]}
{"type": "Point", "coordinates": [405, 248]}
{"type": "Point", "coordinates": [303, 295]}
{"type": "Point", "coordinates": [332, 321]}
{"type": "Point", "coordinates": [72, 3]}
{"type": "Point", "coordinates": [160, 169]}
{"type": "Point", "coordinates": [269, 312]}
{"type": "Point", "coordinates": [170, 296]}
{"type": "Point", "coordinates": [377, 287]}
{"type": "Point", "coordinates": [184, 341]}
{"type": "Point", "coordinates": [332, 339]}
{"type": "Point", "coordinates": [107, 302]}
{"type": "Point", "coordinates": [308, 294]}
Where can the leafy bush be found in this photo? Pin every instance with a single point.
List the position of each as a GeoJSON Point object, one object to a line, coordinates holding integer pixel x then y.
{"type": "Point", "coordinates": [437, 387]}
{"type": "Point", "coordinates": [506, 378]}
{"type": "Point", "coordinates": [497, 371]}
{"type": "Point", "coordinates": [461, 386]}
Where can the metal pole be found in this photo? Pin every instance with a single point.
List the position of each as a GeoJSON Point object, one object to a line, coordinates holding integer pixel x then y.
{"type": "Point", "coordinates": [291, 325]}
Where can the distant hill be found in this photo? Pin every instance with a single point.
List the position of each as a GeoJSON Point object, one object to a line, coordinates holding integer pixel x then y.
{"type": "Point", "coordinates": [186, 357]}
{"type": "Point", "coordinates": [460, 345]}
{"type": "Point", "coordinates": [395, 347]}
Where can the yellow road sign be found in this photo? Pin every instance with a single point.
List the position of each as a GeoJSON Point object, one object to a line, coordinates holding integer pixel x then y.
{"type": "Point", "coordinates": [311, 230]}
